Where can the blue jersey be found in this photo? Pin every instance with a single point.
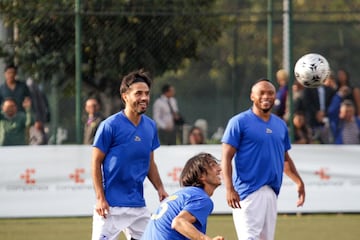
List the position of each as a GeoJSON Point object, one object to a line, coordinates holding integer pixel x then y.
{"type": "Point", "coordinates": [127, 151]}
{"type": "Point", "coordinates": [260, 151]}
{"type": "Point", "coordinates": [191, 199]}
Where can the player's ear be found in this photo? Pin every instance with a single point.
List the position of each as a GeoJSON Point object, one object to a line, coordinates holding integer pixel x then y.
{"type": "Point", "coordinates": [202, 178]}
{"type": "Point", "coordinates": [123, 97]}
{"type": "Point", "coordinates": [251, 96]}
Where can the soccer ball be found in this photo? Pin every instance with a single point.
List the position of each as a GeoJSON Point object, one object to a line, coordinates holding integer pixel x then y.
{"type": "Point", "coordinates": [311, 70]}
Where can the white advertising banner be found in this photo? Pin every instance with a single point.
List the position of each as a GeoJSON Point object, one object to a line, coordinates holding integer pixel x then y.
{"type": "Point", "coordinates": [44, 181]}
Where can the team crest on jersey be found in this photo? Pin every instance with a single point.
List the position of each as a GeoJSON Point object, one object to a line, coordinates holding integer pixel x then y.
{"type": "Point", "coordinates": [137, 139]}
{"type": "Point", "coordinates": [268, 130]}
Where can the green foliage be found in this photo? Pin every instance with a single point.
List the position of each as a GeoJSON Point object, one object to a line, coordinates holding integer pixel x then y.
{"type": "Point", "coordinates": [318, 26]}
{"type": "Point", "coordinates": [210, 50]}
{"type": "Point", "coordinates": [117, 36]}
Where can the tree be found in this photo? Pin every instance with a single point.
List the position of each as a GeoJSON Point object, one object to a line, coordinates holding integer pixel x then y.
{"type": "Point", "coordinates": [179, 42]}
{"type": "Point", "coordinates": [327, 27]}
{"type": "Point", "coordinates": [117, 37]}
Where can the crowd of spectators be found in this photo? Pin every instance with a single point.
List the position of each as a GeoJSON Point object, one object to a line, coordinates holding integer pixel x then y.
{"type": "Point", "coordinates": [22, 108]}
{"type": "Point", "coordinates": [329, 114]}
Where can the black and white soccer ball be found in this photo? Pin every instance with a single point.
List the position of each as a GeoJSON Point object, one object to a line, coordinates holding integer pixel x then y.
{"type": "Point", "coordinates": [311, 70]}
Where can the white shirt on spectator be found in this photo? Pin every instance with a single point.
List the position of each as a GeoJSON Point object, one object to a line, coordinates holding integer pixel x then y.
{"type": "Point", "coordinates": [162, 113]}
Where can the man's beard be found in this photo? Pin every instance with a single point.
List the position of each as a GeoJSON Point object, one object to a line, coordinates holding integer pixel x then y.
{"type": "Point", "coordinates": [141, 112]}
{"type": "Point", "coordinates": [266, 110]}
{"type": "Point", "coordinates": [139, 109]}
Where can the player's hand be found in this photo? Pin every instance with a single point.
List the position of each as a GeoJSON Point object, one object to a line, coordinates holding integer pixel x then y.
{"type": "Point", "coordinates": [233, 198]}
{"type": "Point", "coordinates": [218, 238]}
{"type": "Point", "coordinates": [102, 208]}
{"type": "Point", "coordinates": [26, 103]}
{"type": "Point", "coordinates": [162, 194]}
{"type": "Point", "coordinates": [320, 116]}
{"type": "Point", "coordinates": [301, 194]}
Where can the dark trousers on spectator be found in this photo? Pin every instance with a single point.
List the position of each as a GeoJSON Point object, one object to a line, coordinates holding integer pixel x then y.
{"type": "Point", "coordinates": [167, 137]}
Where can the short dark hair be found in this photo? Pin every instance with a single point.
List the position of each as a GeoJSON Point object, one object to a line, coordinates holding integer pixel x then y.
{"type": "Point", "coordinates": [194, 168]}
{"type": "Point", "coordinates": [299, 112]}
{"type": "Point", "coordinates": [165, 88]}
{"type": "Point", "coordinates": [9, 99]}
{"type": "Point", "coordinates": [134, 77]}
{"type": "Point", "coordinates": [347, 103]}
{"type": "Point", "coordinates": [10, 66]}
{"type": "Point", "coordinates": [97, 99]}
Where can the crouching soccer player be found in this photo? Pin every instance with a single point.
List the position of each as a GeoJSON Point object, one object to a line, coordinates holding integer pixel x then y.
{"type": "Point", "coordinates": [184, 214]}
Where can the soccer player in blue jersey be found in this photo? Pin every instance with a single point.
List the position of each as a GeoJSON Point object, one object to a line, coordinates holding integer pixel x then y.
{"type": "Point", "coordinates": [184, 214]}
{"type": "Point", "coordinates": [259, 141]}
{"type": "Point", "coordinates": [123, 155]}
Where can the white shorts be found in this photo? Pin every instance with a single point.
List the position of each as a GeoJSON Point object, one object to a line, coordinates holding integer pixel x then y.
{"type": "Point", "coordinates": [256, 219]}
{"type": "Point", "coordinates": [132, 221]}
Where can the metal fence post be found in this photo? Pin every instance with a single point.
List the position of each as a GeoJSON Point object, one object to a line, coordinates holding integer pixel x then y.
{"type": "Point", "coordinates": [78, 75]}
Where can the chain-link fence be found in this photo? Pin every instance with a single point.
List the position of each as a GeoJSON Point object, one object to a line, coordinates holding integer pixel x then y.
{"type": "Point", "coordinates": [211, 51]}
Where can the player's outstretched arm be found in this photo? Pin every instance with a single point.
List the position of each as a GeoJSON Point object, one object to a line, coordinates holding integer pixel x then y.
{"type": "Point", "coordinates": [292, 173]}
{"type": "Point", "coordinates": [154, 177]}
{"type": "Point", "coordinates": [183, 223]}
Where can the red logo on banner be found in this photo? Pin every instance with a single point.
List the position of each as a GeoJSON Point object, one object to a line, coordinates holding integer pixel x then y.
{"type": "Point", "coordinates": [27, 176]}
{"type": "Point", "coordinates": [77, 175]}
{"type": "Point", "coordinates": [175, 174]}
{"type": "Point", "coordinates": [323, 174]}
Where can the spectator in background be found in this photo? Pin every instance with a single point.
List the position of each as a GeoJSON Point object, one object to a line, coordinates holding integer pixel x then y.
{"type": "Point", "coordinates": [356, 94]}
{"type": "Point", "coordinates": [93, 119]}
{"type": "Point", "coordinates": [196, 136]}
{"type": "Point", "coordinates": [40, 107]}
{"type": "Point", "coordinates": [343, 79]}
{"type": "Point", "coordinates": [203, 125]}
{"type": "Point", "coordinates": [282, 79]}
{"type": "Point", "coordinates": [330, 81]}
{"type": "Point", "coordinates": [302, 132]}
{"type": "Point", "coordinates": [344, 123]}
{"type": "Point", "coordinates": [13, 123]}
{"type": "Point", "coordinates": [298, 92]}
{"type": "Point", "coordinates": [314, 104]}
{"type": "Point", "coordinates": [166, 114]}
{"type": "Point", "coordinates": [37, 135]}
{"type": "Point", "coordinates": [14, 89]}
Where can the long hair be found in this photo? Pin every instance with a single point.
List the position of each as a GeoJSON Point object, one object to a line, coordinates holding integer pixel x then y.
{"type": "Point", "coordinates": [194, 168]}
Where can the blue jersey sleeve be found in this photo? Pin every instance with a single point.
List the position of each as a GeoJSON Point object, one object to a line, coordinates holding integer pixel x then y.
{"type": "Point", "coordinates": [287, 143]}
{"type": "Point", "coordinates": [103, 137]}
{"type": "Point", "coordinates": [200, 209]}
{"type": "Point", "coordinates": [156, 141]}
{"type": "Point", "coordinates": [232, 132]}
